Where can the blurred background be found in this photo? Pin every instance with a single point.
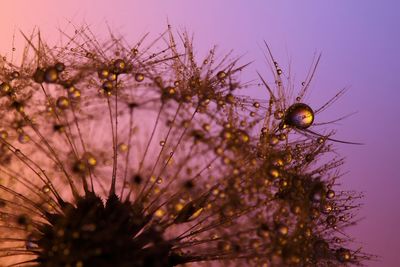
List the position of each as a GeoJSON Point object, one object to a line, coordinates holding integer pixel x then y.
{"type": "Point", "coordinates": [359, 41]}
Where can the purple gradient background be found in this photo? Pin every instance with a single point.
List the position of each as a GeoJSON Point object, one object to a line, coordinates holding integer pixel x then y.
{"type": "Point", "coordinates": [359, 41]}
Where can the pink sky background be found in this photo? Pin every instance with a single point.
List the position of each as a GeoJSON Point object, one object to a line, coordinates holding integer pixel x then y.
{"type": "Point", "coordinates": [359, 42]}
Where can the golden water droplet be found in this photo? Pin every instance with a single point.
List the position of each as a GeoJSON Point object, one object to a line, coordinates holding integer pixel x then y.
{"type": "Point", "coordinates": [112, 77]}
{"type": "Point", "coordinates": [23, 138]}
{"type": "Point", "coordinates": [178, 206]}
{"type": "Point", "coordinates": [226, 134]}
{"type": "Point", "coordinates": [5, 88]}
{"type": "Point", "coordinates": [244, 137]}
{"type": "Point", "coordinates": [139, 77]}
{"type": "Point", "coordinates": [327, 208]}
{"type": "Point", "coordinates": [282, 137]}
{"type": "Point", "coordinates": [273, 140]}
{"type": "Point", "coordinates": [45, 189]}
{"type": "Point", "coordinates": [299, 115]}
{"type": "Point", "coordinates": [119, 65]}
{"type": "Point", "coordinates": [283, 229]}
{"type": "Point", "coordinates": [278, 162]}
{"type": "Point", "coordinates": [3, 134]}
{"type": "Point", "coordinates": [76, 94]}
{"type": "Point", "coordinates": [343, 255]}
{"type": "Point", "coordinates": [103, 73]}
{"type": "Point", "coordinates": [274, 173]}
{"type": "Point", "coordinates": [224, 246]}
{"type": "Point", "coordinates": [91, 160]}
{"type": "Point", "coordinates": [50, 75]}
{"type": "Point", "coordinates": [330, 194]}
{"type": "Point", "coordinates": [221, 75]}
{"type": "Point", "coordinates": [288, 157]}
{"type": "Point", "coordinates": [62, 102]}
{"type": "Point", "coordinates": [159, 213]}
{"type": "Point", "coordinates": [107, 86]}
{"type": "Point", "coordinates": [206, 127]}
{"type": "Point", "coordinates": [123, 147]}
{"type": "Point", "coordinates": [170, 90]}
{"type": "Point", "coordinates": [229, 98]}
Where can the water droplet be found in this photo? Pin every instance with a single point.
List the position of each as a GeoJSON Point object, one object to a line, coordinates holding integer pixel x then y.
{"type": "Point", "coordinates": [107, 86]}
{"type": "Point", "coordinates": [23, 138]}
{"type": "Point", "coordinates": [244, 137]}
{"type": "Point", "coordinates": [119, 65]}
{"type": "Point", "coordinates": [283, 229]}
{"type": "Point", "coordinates": [46, 189]}
{"type": "Point", "coordinates": [274, 173]}
{"type": "Point", "coordinates": [343, 255]}
{"type": "Point", "coordinates": [331, 220]}
{"type": "Point", "coordinates": [159, 213]}
{"type": "Point", "coordinates": [330, 194]}
{"type": "Point", "coordinates": [229, 98]}
{"type": "Point", "coordinates": [206, 127]}
{"type": "Point", "coordinates": [299, 115]}
{"type": "Point", "coordinates": [91, 160]}
{"type": "Point", "coordinates": [59, 66]}
{"type": "Point", "coordinates": [103, 73]}
{"type": "Point", "coordinates": [15, 74]}
{"type": "Point", "coordinates": [224, 246]}
{"type": "Point", "coordinates": [5, 88]}
{"type": "Point", "coordinates": [123, 147]}
{"type": "Point", "coordinates": [327, 208]}
{"type": "Point", "coordinates": [76, 94]}
{"type": "Point", "coordinates": [51, 75]}
{"type": "Point", "coordinates": [263, 231]}
{"type": "Point", "coordinates": [221, 75]}
{"type": "Point", "coordinates": [139, 77]}
{"type": "Point", "coordinates": [273, 140]}
{"type": "Point", "coordinates": [112, 77]}
{"type": "Point", "coordinates": [63, 102]}
{"type": "Point", "coordinates": [278, 114]}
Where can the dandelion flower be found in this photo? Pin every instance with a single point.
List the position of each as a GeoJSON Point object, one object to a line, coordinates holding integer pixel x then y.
{"type": "Point", "coordinates": [124, 155]}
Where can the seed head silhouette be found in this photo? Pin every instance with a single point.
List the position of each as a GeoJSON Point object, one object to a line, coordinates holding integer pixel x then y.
{"type": "Point", "coordinates": [127, 155]}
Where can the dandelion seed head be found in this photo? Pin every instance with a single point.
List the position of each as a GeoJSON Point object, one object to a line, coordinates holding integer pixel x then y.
{"type": "Point", "coordinates": [116, 154]}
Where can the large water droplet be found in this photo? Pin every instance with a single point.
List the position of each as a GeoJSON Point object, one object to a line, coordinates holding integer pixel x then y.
{"type": "Point", "coordinates": [299, 115]}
